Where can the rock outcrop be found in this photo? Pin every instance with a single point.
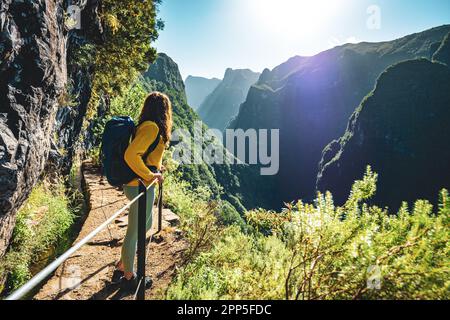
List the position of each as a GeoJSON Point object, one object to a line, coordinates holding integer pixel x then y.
{"type": "Point", "coordinates": [33, 76]}
{"type": "Point", "coordinates": [71, 114]}
{"type": "Point", "coordinates": [401, 129]}
{"type": "Point", "coordinates": [38, 125]}
{"type": "Point", "coordinates": [442, 54]}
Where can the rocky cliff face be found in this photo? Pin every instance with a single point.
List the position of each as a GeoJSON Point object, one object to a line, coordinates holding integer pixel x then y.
{"type": "Point", "coordinates": [310, 100]}
{"type": "Point", "coordinates": [68, 140]}
{"type": "Point", "coordinates": [34, 78]}
{"type": "Point", "coordinates": [222, 105]}
{"type": "Point", "coordinates": [402, 131]}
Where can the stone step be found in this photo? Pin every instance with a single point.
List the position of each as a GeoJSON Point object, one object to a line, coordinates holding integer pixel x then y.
{"type": "Point", "coordinates": [170, 219]}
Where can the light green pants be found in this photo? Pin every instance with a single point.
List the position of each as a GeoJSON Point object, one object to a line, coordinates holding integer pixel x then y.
{"type": "Point", "coordinates": [130, 241]}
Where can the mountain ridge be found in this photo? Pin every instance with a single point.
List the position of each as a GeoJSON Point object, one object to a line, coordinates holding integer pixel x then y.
{"type": "Point", "coordinates": [293, 64]}
{"type": "Point", "coordinates": [395, 130]}
{"type": "Point", "coordinates": [312, 105]}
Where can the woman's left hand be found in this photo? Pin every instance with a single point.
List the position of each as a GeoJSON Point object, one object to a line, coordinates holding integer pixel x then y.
{"type": "Point", "coordinates": [159, 177]}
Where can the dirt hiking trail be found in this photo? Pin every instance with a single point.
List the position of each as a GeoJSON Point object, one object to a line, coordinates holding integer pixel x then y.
{"type": "Point", "coordinates": [87, 274]}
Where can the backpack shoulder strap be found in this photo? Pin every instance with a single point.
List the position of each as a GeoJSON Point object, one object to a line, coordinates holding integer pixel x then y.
{"type": "Point", "coordinates": [152, 147]}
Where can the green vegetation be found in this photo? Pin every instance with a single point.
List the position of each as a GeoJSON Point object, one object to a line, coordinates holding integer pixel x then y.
{"type": "Point", "coordinates": [200, 213]}
{"type": "Point", "coordinates": [314, 251]}
{"type": "Point", "coordinates": [130, 27]}
{"type": "Point", "coordinates": [42, 230]}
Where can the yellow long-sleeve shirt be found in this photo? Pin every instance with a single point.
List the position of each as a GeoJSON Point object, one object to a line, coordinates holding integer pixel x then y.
{"type": "Point", "coordinates": [146, 135]}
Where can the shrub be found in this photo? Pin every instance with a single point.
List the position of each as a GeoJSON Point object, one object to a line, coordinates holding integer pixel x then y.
{"type": "Point", "coordinates": [320, 251]}
{"type": "Point", "coordinates": [194, 207]}
{"type": "Point", "coordinates": [227, 215]}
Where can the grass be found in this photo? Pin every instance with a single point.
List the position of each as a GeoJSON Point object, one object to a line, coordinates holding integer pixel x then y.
{"type": "Point", "coordinates": [42, 230]}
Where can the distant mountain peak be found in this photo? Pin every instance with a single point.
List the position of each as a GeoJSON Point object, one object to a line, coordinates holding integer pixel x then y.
{"type": "Point", "coordinates": [191, 77]}
{"type": "Point", "coordinates": [198, 88]}
{"type": "Point", "coordinates": [165, 70]}
{"type": "Point", "coordinates": [222, 105]}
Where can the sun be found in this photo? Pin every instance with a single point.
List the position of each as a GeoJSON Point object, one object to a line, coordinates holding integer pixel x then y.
{"type": "Point", "coordinates": [294, 16]}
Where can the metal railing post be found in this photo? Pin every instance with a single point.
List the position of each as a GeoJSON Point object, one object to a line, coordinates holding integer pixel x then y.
{"type": "Point", "coordinates": [142, 231]}
{"type": "Point", "coordinates": [160, 207]}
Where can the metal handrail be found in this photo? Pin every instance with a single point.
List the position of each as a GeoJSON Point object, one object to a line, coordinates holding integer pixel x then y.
{"type": "Point", "coordinates": [38, 278]}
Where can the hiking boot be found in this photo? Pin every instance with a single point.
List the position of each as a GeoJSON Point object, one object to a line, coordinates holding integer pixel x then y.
{"type": "Point", "coordinates": [130, 286]}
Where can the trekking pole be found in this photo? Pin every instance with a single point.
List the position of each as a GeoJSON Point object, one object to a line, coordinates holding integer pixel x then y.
{"type": "Point", "coordinates": [142, 219]}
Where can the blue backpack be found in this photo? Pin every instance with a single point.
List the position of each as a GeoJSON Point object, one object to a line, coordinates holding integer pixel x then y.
{"type": "Point", "coordinates": [118, 134]}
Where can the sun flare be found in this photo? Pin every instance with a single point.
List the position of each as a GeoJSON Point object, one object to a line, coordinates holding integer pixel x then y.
{"type": "Point", "coordinates": [294, 16]}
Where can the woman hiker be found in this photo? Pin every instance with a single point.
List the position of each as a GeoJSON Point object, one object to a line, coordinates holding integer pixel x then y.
{"type": "Point", "coordinates": [155, 120]}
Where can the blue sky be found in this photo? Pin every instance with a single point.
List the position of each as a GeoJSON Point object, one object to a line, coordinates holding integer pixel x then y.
{"type": "Point", "coordinates": [207, 36]}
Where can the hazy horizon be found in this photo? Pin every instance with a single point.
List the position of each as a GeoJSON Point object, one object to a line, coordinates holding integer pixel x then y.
{"type": "Point", "coordinates": [205, 37]}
